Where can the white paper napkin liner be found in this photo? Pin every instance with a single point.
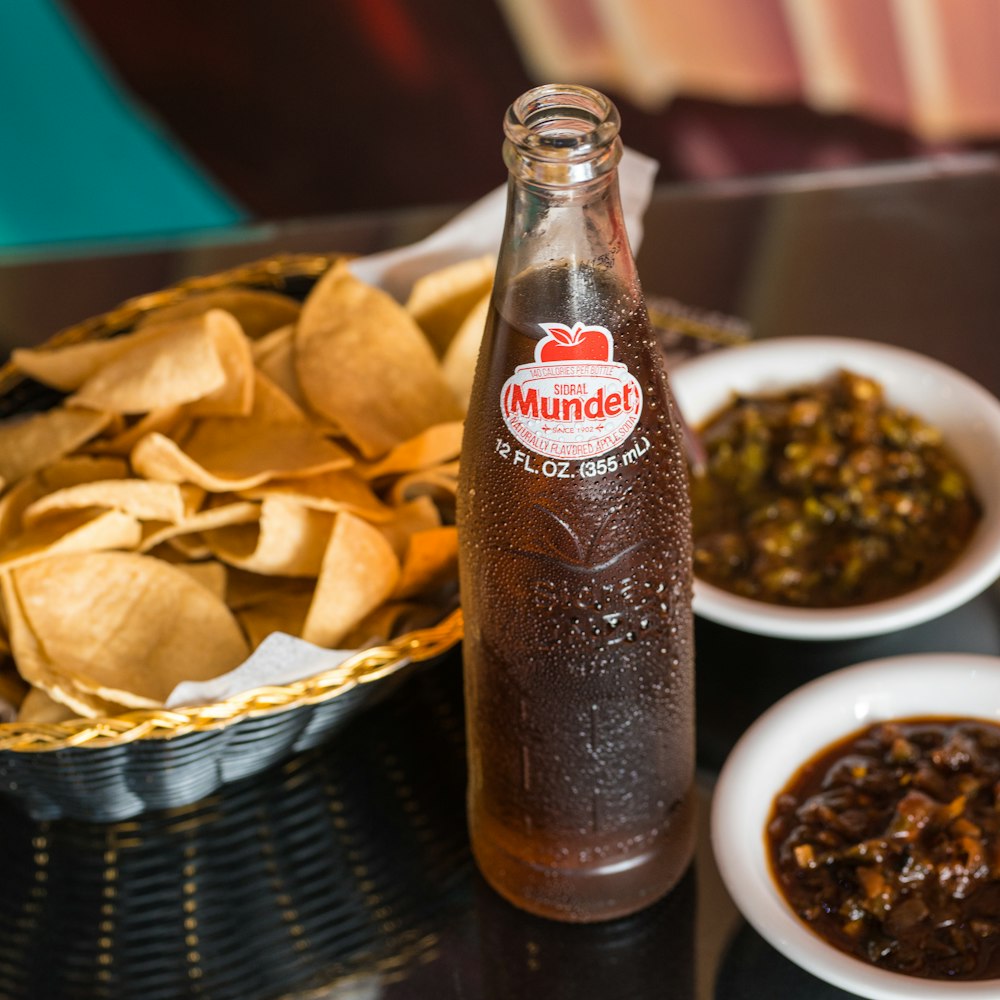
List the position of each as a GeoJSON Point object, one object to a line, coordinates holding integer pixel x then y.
{"type": "Point", "coordinates": [282, 659]}
{"type": "Point", "coordinates": [279, 659]}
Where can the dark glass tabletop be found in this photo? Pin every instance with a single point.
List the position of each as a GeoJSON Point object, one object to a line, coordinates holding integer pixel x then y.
{"type": "Point", "coordinates": [345, 872]}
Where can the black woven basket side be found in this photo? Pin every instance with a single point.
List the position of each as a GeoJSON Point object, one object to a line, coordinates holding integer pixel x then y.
{"type": "Point", "coordinates": [107, 784]}
{"type": "Point", "coordinates": [346, 860]}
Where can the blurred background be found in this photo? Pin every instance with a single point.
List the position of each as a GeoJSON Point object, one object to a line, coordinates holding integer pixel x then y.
{"type": "Point", "coordinates": [126, 118]}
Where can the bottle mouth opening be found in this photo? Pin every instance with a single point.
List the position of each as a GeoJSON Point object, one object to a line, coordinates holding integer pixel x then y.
{"type": "Point", "coordinates": [562, 122]}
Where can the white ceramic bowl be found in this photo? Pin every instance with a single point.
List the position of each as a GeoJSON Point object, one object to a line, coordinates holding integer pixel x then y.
{"type": "Point", "coordinates": [967, 415]}
{"type": "Point", "coordinates": [785, 737]}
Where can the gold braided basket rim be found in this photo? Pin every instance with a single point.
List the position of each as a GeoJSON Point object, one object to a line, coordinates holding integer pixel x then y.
{"type": "Point", "coordinates": [364, 667]}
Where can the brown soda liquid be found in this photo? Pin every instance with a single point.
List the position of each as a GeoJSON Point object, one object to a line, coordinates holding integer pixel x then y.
{"type": "Point", "coordinates": [578, 646]}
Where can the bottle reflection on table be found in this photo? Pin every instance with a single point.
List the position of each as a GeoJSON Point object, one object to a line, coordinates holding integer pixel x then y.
{"type": "Point", "coordinates": [647, 955]}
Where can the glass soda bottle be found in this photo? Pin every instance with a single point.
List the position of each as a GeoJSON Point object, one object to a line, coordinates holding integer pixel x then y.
{"type": "Point", "coordinates": [575, 545]}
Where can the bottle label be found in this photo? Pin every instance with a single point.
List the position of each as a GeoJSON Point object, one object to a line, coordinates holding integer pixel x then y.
{"type": "Point", "coordinates": [573, 401]}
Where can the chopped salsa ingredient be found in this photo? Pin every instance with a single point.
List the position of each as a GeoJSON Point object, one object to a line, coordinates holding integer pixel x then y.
{"type": "Point", "coordinates": [826, 496]}
{"type": "Point", "coordinates": [887, 844]}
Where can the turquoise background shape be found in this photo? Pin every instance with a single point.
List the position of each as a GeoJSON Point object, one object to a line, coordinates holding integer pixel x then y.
{"type": "Point", "coordinates": [80, 159]}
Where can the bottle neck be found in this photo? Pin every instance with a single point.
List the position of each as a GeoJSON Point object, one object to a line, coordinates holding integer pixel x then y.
{"type": "Point", "coordinates": [580, 225]}
{"type": "Point", "coordinates": [564, 211]}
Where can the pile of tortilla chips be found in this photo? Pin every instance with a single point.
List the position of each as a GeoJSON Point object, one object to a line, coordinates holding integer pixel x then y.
{"type": "Point", "coordinates": [238, 464]}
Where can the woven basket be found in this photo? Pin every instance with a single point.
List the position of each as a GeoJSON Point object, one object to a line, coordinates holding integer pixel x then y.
{"type": "Point", "coordinates": [115, 768]}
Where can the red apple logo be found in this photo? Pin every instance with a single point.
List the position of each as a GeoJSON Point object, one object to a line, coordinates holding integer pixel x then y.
{"type": "Point", "coordinates": [581, 343]}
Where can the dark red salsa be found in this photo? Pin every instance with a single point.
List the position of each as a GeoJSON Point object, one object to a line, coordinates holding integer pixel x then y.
{"type": "Point", "coordinates": [826, 496]}
{"type": "Point", "coordinates": [887, 844]}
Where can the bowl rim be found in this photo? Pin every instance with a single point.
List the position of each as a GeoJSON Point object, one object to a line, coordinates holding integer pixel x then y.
{"type": "Point", "coordinates": [811, 718]}
{"type": "Point", "coordinates": [970, 575]}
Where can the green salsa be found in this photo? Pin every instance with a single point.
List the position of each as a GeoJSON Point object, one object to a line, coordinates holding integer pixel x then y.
{"type": "Point", "coordinates": [826, 496]}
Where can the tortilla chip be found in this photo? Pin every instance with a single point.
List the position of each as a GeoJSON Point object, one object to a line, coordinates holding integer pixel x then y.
{"type": "Point", "coordinates": [276, 437]}
{"type": "Point", "coordinates": [13, 689]}
{"type": "Point", "coordinates": [419, 514]}
{"type": "Point", "coordinates": [437, 444]}
{"type": "Point", "coordinates": [76, 469]}
{"type": "Point", "coordinates": [359, 572]}
{"type": "Point", "coordinates": [209, 573]}
{"type": "Point", "coordinates": [440, 300]}
{"type": "Point", "coordinates": [78, 531]}
{"type": "Point", "coordinates": [39, 708]}
{"type": "Point", "coordinates": [80, 703]}
{"type": "Point", "coordinates": [69, 366]}
{"type": "Point", "coordinates": [185, 535]}
{"type": "Point", "coordinates": [274, 355]}
{"type": "Point", "coordinates": [234, 398]}
{"type": "Point", "coordinates": [144, 500]}
{"type": "Point", "coordinates": [330, 491]}
{"type": "Point", "coordinates": [126, 627]}
{"type": "Point", "coordinates": [258, 311]}
{"type": "Point", "coordinates": [223, 454]}
{"type": "Point", "coordinates": [440, 483]}
{"type": "Point", "coordinates": [273, 344]}
{"type": "Point", "coordinates": [264, 604]}
{"type": "Point", "coordinates": [363, 363]}
{"type": "Point", "coordinates": [289, 540]}
{"type": "Point", "coordinates": [286, 612]}
{"type": "Point", "coordinates": [190, 547]}
{"type": "Point", "coordinates": [61, 474]}
{"type": "Point", "coordinates": [247, 589]}
{"type": "Point", "coordinates": [186, 361]}
{"type": "Point", "coordinates": [38, 440]}
{"type": "Point", "coordinates": [34, 665]}
{"type": "Point", "coordinates": [390, 620]}
{"type": "Point", "coordinates": [460, 359]}
{"type": "Point", "coordinates": [13, 505]}
{"type": "Point", "coordinates": [431, 563]}
{"type": "Point", "coordinates": [165, 421]}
